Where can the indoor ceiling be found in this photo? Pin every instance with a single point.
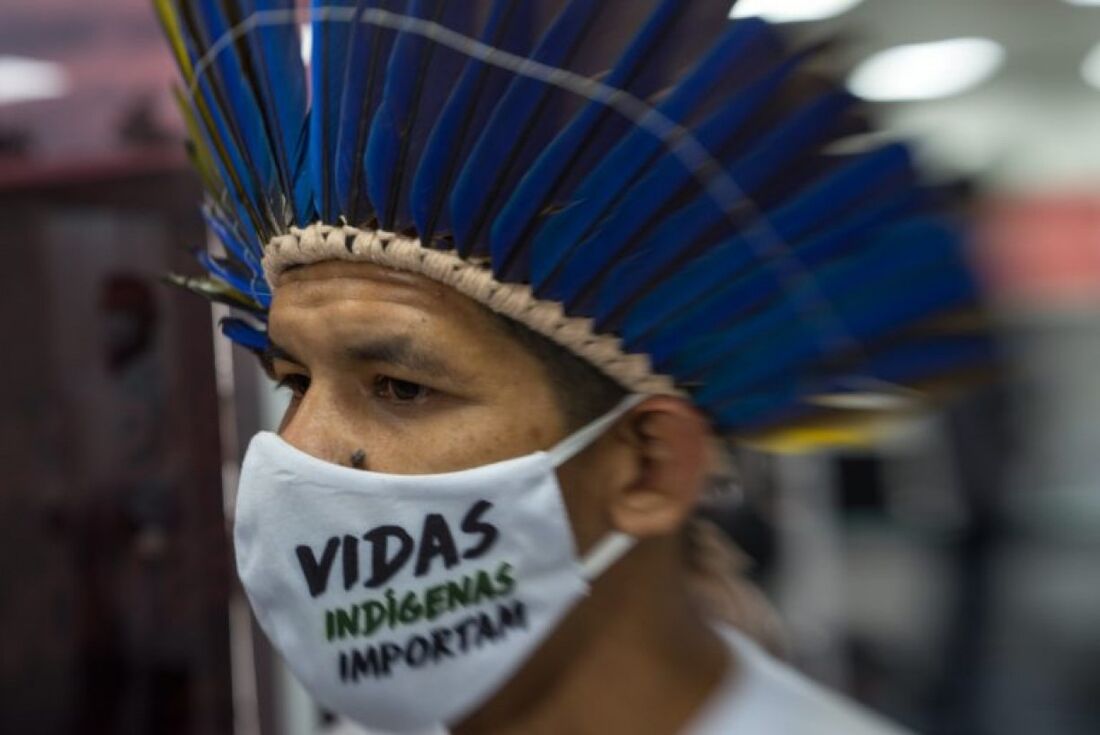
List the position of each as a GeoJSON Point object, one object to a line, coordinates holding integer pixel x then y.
{"type": "Point", "coordinates": [1033, 126]}
{"type": "Point", "coordinates": [1036, 124]}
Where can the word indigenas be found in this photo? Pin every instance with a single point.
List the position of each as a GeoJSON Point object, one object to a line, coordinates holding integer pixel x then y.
{"type": "Point", "coordinates": [395, 609]}
{"type": "Point", "coordinates": [468, 634]}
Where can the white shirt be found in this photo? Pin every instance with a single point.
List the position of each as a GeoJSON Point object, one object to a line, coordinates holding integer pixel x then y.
{"type": "Point", "coordinates": [762, 696]}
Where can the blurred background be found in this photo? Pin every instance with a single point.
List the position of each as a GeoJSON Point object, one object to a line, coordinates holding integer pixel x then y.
{"type": "Point", "coordinates": [943, 572]}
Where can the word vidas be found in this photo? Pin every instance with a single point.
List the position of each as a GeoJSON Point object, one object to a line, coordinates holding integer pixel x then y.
{"type": "Point", "coordinates": [392, 548]}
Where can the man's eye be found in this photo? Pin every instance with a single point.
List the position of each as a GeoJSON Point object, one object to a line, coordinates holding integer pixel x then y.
{"type": "Point", "coordinates": [400, 391]}
{"type": "Point", "coordinates": [296, 383]}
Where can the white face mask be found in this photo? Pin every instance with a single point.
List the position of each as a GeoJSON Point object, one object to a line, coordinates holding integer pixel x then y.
{"type": "Point", "coordinates": [406, 601]}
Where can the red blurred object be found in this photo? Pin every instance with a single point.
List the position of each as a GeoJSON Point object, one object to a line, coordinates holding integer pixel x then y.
{"type": "Point", "coordinates": [1042, 250]}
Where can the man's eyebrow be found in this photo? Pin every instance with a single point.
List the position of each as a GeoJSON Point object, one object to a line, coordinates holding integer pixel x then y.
{"type": "Point", "coordinates": [274, 352]}
{"type": "Point", "coordinates": [400, 351]}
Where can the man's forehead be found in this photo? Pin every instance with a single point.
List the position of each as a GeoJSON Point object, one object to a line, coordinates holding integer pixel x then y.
{"type": "Point", "coordinates": [351, 280]}
{"type": "Point", "coordinates": [346, 269]}
{"type": "Point", "coordinates": [364, 287]}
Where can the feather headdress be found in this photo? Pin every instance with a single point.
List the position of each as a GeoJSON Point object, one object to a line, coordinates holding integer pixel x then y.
{"type": "Point", "coordinates": [646, 182]}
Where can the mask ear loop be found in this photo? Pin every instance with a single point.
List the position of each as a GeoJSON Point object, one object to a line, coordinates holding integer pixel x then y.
{"type": "Point", "coordinates": [577, 442]}
{"type": "Point", "coordinates": [616, 544]}
{"type": "Point", "coordinates": [606, 552]}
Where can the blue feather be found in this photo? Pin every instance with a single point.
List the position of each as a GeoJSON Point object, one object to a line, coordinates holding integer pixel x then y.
{"type": "Point", "coordinates": [279, 78]}
{"type": "Point", "coordinates": [244, 334]}
{"type": "Point", "coordinates": [327, 72]}
{"type": "Point", "coordinates": [303, 195]}
{"type": "Point", "coordinates": [509, 29]}
{"type": "Point", "coordinates": [926, 358]}
{"type": "Point", "coordinates": [758, 410]}
{"type": "Point", "coordinates": [251, 286]}
{"type": "Point", "coordinates": [236, 96]}
{"type": "Point", "coordinates": [247, 254]}
{"type": "Point", "coordinates": [787, 350]}
{"type": "Point", "coordinates": [912, 361]}
{"type": "Point", "coordinates": [595, 129]}
{"type": "Point", "coordinates": [419, 74]}
{"type": "Point", "coordinates": [906, 274]}
{"type": "Point", "coordinates": [713, 289]}
{"type": "Point", "coordinates": [505, 146]}
{"type": "Point", "coordinates": [857, 183]}
{"type": "Point", "coordinates": [630, 158]}
{"type": "Point", "coordinates": [227, 157]}
{"type": "Point", "coordinates": [579, 275]}
{"type": "Point", "coordinates": [368, 57]}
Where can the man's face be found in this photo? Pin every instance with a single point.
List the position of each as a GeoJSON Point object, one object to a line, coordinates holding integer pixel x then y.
{"type": "Point", "coordinates": [396, 373]}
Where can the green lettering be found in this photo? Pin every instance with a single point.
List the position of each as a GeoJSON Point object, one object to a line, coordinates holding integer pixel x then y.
{"type": "Point", "coordinates": [347, 624]}
{"type": "Point", "coordinates": [435, 601]}
{"type": "Point", "coordinates": [505, 580]}
{"type": "Point", "coordinates": [375, 614]}
{"type": "Point", "coordinates": [484, 587]}
{"type": "Point", "coordinates": [458, 594]}
{"type": "Point", "coordinates": [391, 604]}
{"type": "Point", "coordinates": [411, 609]}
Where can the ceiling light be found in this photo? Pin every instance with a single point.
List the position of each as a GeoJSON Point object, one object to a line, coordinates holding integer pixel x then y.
{"type": "Point", "coordinates": [1090, 69]}
{"type": "Point", "coordinates": [791, 11]}
{"type": "Point", "coordinates": [923, 71]}
{"type": "Point", "coordinates": [1085, 3]}
{"type": "Point", "coordinates": [24, 80]}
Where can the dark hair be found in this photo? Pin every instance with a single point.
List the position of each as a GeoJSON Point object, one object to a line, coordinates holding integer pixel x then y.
{"type": "Point", "coordinates": [582, 391]}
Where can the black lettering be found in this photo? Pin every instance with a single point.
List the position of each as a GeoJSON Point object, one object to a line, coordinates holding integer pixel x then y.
{"type": "Point", "coordinates": [485, 628]}
{"type": "Point", "coordinates": [366, 664]}
{"type": "Point", "coordinates": [473, 524]}
{"type": "Point", "coordinates": [416, 652]}
{"type": "Point", "coordinates": [383, 567]}
{"type": "Point", "coordinates": [317, 572]}
{"type": "Point", "coordinates": [351, 561]}
{"type": "Point", "coordinates": [463, 629]}
{"type": "Point", "coordinates": [514, 616]}
{"type": "Point", "coordinates": [436, 540]}
{"type": "Point", "coordinates": [440, 643]}
{"type": "Point", "coordinates": [391, 652]}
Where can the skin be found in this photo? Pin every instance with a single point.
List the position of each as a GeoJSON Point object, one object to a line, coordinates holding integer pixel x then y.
{"type": "Point", "coordinates": [412, 377]}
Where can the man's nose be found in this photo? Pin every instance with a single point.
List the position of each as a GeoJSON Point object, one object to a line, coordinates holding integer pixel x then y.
{"type": "Point", "coordinates": [316, 427]}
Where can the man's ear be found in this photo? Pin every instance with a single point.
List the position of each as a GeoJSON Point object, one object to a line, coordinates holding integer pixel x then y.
{"type": "Point", "coordinates": [669, 442]}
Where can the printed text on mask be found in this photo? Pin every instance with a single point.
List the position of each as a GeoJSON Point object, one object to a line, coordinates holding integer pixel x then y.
{"type": "Point", "coordinates": [436, 541]}
{"type": "Point", "coordinates": [392, 549]}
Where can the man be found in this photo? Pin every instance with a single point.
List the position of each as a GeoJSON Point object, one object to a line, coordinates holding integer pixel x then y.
{"type": "Point", "coordinates": [529, 262]}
